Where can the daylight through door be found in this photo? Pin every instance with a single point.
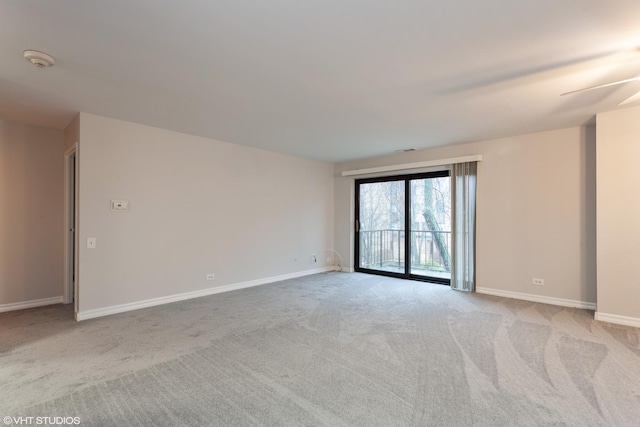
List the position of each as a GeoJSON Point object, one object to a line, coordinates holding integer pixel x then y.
{"type": "Point", "coordinates": [403, 226]}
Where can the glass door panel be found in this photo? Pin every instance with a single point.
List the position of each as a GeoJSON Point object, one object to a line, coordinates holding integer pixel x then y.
{"type": "Point", "coordinates": [381, 226]}
{"type": "Point", "coordinates": [430, 236]}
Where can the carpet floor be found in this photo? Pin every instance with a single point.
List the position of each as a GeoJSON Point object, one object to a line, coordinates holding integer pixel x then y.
{"type": "Point", "coordinates": [331, 349]}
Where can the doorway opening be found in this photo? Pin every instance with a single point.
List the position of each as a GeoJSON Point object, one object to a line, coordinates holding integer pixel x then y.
{"type": "Point", "coordinates": [403, 226]}
{"type": "Point", "coordinates": [71, 222]}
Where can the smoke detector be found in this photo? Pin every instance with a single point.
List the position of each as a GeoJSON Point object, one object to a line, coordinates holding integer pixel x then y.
{"type": "Point", "coordinates": [39, 59]}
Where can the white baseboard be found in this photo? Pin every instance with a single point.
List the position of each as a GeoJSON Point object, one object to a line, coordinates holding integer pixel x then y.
{"type": "Point", "coordinates": [537, 298]}
{"type": "Point", "coordinates": [619, 320]}
{"type": "Point", "coordinates": [30, 304]}
{"type": "Point", "coordinates": [114, 309]}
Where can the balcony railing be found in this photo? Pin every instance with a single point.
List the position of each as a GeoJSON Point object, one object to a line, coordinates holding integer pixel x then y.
{"type": "Point", "coordinates": [385, 250]}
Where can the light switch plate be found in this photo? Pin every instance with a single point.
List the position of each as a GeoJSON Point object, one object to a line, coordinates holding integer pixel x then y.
{"type": "Point", "coordinates": [91, 242]}
{"type": "Point", "coordinates": [119, 206]}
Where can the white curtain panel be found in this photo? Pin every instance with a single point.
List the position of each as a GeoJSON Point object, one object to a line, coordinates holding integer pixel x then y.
{"type": "Point", "coordinates": [463, 194]}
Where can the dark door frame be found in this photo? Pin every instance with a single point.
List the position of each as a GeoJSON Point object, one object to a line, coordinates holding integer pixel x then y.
{"type": "Point", "coordinates": [407, 178]}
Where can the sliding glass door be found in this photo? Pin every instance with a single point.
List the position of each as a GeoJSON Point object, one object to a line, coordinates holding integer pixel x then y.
{"type": "Point", "coordinates": [403, 226]}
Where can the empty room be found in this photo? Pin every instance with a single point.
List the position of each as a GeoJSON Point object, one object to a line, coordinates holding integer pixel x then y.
{"type": "Point", "coordinates": [319, 213]}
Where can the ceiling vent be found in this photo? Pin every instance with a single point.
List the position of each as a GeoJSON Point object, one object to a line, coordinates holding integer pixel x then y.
{"type": "Point", "coordinates": [39, 59]}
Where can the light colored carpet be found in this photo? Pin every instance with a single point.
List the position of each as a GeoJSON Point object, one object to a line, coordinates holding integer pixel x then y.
{"type": "Point", "coordinates": [331, 349]}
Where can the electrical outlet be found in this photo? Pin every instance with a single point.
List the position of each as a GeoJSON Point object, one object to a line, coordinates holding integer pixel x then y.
{"type": "Point", "coordinates": [211, 276]}
{"type": "Point", "coordinates": [537, 282]}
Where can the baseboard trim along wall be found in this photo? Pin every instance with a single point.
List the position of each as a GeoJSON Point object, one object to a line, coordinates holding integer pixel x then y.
{"type": "Point", "coordinates": [115, 309]}
{"type": "Point", "coordinates": [619, 320]}
{"type": "Point", "coordinates": [537, 298]}
{"type": "Point", "coordinates": [30, 304]}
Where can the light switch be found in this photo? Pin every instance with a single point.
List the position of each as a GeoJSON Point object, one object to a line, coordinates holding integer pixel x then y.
{"type": "Point", "coordinates": [119, 205]}
{"type": "Point", "coordinates": [91, 242]}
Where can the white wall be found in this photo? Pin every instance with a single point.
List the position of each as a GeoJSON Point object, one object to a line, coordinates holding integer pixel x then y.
{"type": "Point", "coordinates": [198, 206]}
{"type": "Point", "coordinates": [618, 213]}
{"type": "Point", "coordinates": [72, 133]}
{"type": "Point", "coordinates": [31, 213]}
{"type": "Point", "coordinates": [535, 211]}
